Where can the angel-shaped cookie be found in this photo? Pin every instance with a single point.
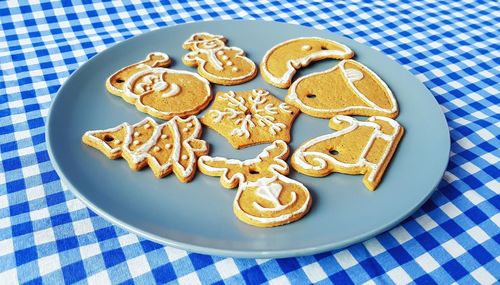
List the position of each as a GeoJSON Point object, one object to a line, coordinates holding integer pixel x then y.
{"type": "Point", "coordinates": [217, 62]}
{"type": "Point", "coordinates": [266, 197]}
{"type": "Point", "coordinates": [171, 146]}
{"type": "Point", "coordinates": [357, 147]}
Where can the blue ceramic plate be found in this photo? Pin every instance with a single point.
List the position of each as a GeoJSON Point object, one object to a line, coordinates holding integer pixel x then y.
{"type": "Point", "coordinates": [198, 216]}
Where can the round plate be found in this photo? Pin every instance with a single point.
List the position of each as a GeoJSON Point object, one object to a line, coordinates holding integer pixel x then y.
{"type": "Point", "coordinates": [198, 216]}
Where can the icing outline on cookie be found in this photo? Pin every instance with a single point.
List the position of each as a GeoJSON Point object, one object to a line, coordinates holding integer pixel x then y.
{"type": "Point", "coordinates": [273, 220]}
{"type": "Point", "coordinates": [352, 75]}
{"type": "Point", "coordinates": [173, 90]}
{"type": "Point", "coordinates": [165, 62]}
{"type": "Point", "coordinates": [295, 64]}
{"type": "Point", "coordinates": [279, 166]}
{"type": "Point", "coordinates": [212, 50]}
{"type": "Point", "coordinates": [322, 160]}
{"type": "Point", "coordinates": [141, 154]}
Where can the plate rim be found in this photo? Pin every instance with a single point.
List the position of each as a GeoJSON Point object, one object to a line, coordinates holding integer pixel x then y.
{"type": "Point", "coordinates": [228, 252]}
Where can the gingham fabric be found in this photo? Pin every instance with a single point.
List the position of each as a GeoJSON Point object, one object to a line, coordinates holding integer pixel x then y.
{"type": "Point", "coordinates": [48, 236]}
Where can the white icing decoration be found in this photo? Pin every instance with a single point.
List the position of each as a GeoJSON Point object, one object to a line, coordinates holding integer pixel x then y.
{"type": "Point", "coordinates": [175, 89]}
{"type": "Point", "coordinates": [259, 113]}
{"type": "Point", "coordinates": [294, 64]}
{"type": "Point", "coordinates": [159, 86]}
{"type": "Point", "coordinates": [180, 144]}
{"type": "Point", "coordinates": [147, 126]}
{"type": "Point", "coordinates": [185, 130]}
{"type": "Point", "coordinates": [235, 69]}
{"type": "Point", "coordinates": [212, 59]}
{"type": "Point", "coordinates": [278, 165]}
{"type": "Point", "coordinates": [292, 94]}
{"type": "Point", "coordinates": [189, 125]}
{"type": "Point", "coordinates": [271, 192]}
{"type": "Point", "coordinates": [136, 134]}
{"type": "Point", "coordinates": [353, 74]}
{"type": "Point", "coordinates": [91, 135]}
{"type": "Point", "coordinates": [306, 47]}
{"type": "Point", "coordinates": [281, 218]}
{"type": "Point", "coordinates": [322, 160]}
{"type": "Point", "coordinates": [164, 136]}
{"type": "Point", "coordinates": [140, 65]}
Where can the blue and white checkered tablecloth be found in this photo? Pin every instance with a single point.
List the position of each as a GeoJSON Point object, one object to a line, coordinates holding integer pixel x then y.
{"type": "Point", "coordinates": [48, 236]}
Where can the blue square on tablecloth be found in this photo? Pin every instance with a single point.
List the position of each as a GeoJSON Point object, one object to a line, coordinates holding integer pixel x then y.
{"type": "Point", "coordinates": [164, 273]}
{"type": "Point", "coordinates": [74, 272]}
{"type": "Point", "coordinates": [26, 255]}
{"type": "Point", "coordinates": [113, 257]}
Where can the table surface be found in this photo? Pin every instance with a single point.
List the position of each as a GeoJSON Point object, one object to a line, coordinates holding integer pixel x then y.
{"type": "Point", "coordinates": [48, 236]}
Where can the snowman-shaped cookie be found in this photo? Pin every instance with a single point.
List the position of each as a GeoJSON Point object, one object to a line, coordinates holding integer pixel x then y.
{"type": "Point", "coordinates": [217, 62]}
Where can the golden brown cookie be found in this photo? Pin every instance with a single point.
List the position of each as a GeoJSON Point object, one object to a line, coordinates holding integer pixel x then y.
{"type": "Point", "coordinates": [161, 92]}
{"type": "Point", "coordinates": [217, 62]}
{"type": "Point", "coordinates": [357, 147]}
{"type": "Point", "coordinates": [265, 197]}
{"type": "Point", "coordinates": [250, 117]}
{"type": "Point", "coordinates": [116, 82]}
{"type": "Point", "coordinates": [282, 61]}
{"type": "Point", "coordinates": [349, 88]}
{"type": "Point", "coordinates": [171, 146]}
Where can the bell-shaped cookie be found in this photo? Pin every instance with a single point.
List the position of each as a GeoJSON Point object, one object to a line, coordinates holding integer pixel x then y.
{"type": "Point", "coordinates": [349, 88]}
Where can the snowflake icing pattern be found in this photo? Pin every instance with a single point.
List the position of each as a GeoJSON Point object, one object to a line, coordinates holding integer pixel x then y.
{"type": "Point", "coordinates": [252, 117]}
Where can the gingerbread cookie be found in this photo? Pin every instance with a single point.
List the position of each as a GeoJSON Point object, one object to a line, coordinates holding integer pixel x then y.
{"type": "Point", "coordinates": [217, 62]}
{"type": "Point", "coordinates": [250, 117]}
{"type": "Point", "coordinates": [265, 197]}
{"type": "Point", "coordinates": [171, 146]}
{"type": "Point", "coordinates": [358, 147]}
{"type": "Point", "coordinates": [282, 61]}
{"type": "Point", "coordinates": [116, 82]}
{"type": "Point", "coordinates": [161, 92]}
{"type": "Point", "coordinates": [349, 88]}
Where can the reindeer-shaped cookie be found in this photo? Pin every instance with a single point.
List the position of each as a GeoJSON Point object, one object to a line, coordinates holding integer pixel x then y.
{"type": "Point", "coordinates": [217, 62]}
{"type": "Point", "coordinates": [266, 197]}
{"type": "Point", "coordinates": [171, 146]}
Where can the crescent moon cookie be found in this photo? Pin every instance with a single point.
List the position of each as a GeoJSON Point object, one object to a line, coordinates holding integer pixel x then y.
{"type": "Point", "coordinates": [265, 197]}
{"type": "Point", "coordinates": [171, 146]}
{"type": "Point", "coordinates": [358, 147]}
{"type": "Point", "coordinates": [250, 117]}
{"type": "Point", "coordinates": [349, 88]}
{"type": "Point", "coordinates": [217, 62]}
{"type": "Point", "coordinates": [282, 61]}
